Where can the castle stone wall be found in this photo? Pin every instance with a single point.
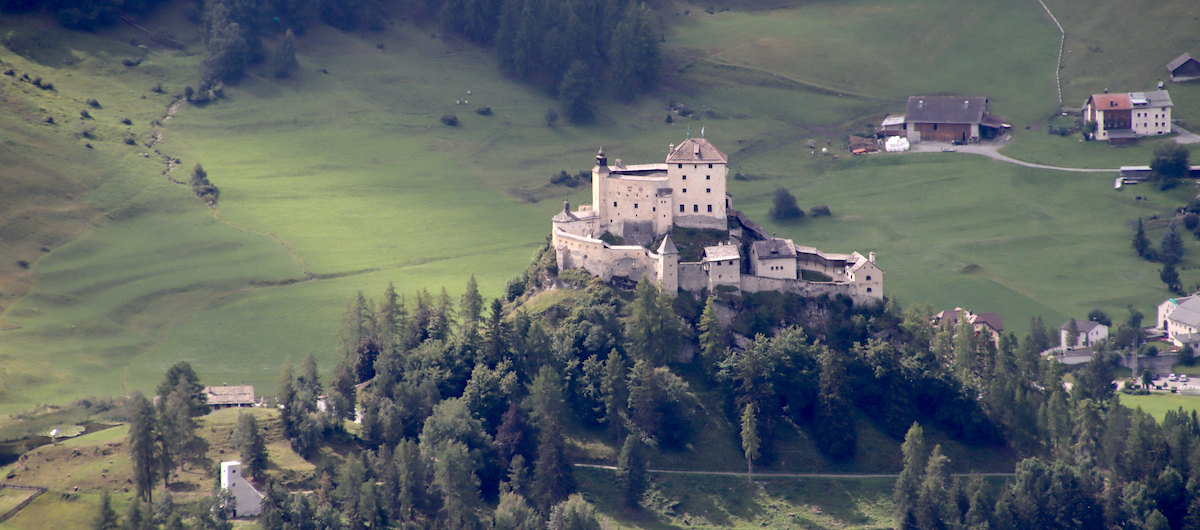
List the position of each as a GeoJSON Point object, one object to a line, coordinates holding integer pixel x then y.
{"type": "Point", "coordinates": [692, 277]}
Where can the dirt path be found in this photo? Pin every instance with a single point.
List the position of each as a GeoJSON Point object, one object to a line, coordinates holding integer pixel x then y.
{"type": "Point", "coordinates": [992, 150]}
{"type": "Point", "coordinates": [1185, 136]}
{"type": "Point", "coordinates": [787, 475]}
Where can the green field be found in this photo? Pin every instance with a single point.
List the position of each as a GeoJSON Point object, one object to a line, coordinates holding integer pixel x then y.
{"type": "Point", "coordinates": [345, 180]}
{"type": "Point", "coordinates": [1157, 404]}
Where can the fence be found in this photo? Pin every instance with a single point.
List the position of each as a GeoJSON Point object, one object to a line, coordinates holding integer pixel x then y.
{"type": "Point", "coordinates": [38, 491]}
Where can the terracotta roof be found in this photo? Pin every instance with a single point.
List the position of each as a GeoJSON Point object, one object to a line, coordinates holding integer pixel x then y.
{"type": "Point", "coordinates": [1179, 61]}
{"type": "Point", "coordinates": [230, 395]}
{"type": "Point", "coordinates": [1111, 101]}
{"type": "Point", "coordinates": [722, 252]}
{"type": "Point", "coordinates": [695, 150]}
{"type": "Point", "coordinates": [952, 109]}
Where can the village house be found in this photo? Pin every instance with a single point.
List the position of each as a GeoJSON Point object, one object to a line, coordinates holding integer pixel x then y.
{"type": "Point", "coordinates": [947, 119]}
{"type": "Point", "coordinates": [223, 397]}
{"type": "Point", "coordinates": [1179, 319]}
{"type": "Point", "coordinates": [248, 499]}
{"type": "Point", "coordinates": [1088, 333]}
{"type": "Point", "coordinates": [643, 204]}
{"type": "Point", "coordinates": [1184, 68]}
{"type": "Point", "coordinates": [983, 323]}
{"type": "Point", "coordinates": [1125, 117]}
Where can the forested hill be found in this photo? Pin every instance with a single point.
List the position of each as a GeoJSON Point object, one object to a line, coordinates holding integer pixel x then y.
{"type": "Point", "coordinates": [567, 48]}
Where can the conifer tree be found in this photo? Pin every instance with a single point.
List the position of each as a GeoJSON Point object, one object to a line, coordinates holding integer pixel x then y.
{"type": "Point", "coordinates": [143, 446]}
{"type": "Point", "coordinates": [285, 395]}
{"type": "Point", "coordinates": [249, 442]}
{"type": "Point", "coordinates": [136, 518]}
{"type": "Point", "coordinates": [631, 470]}
{"type": "Point", "coordinates": [908, 486]}
{"type": "Point", "coordinates": [577, 92]}
{"type": "Point", "coordinates": [712, 337]}
{"type": "Point", "coordinates": [836, 434]}
{"type": "Point", "coordinates": [342, 394]}
{"type": "Point", "coordinates": [553, 479]}
{"type": "Point", "coordinates": [454, 477]}
{"type": "Point", "coordinates": [471, 306]}
{"type": "Point", "coordinates": [615, 392]}
{"type": "Point", "coordinates": [653, 331]}
{"type": "Point", "coordinates": [1170, 250]}
{"type": "Point", "coordinates": [750, 438]}
{"type": "Point", "coordinates": [106, 517]}
{"type": "Point", "coordinates": [1141, 243]}
{"type": "Point", "coordinates": [1072, 334]}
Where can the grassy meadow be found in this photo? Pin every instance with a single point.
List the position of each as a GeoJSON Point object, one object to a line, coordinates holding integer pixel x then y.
{"type": "Point", "coordinates": [343, 179]}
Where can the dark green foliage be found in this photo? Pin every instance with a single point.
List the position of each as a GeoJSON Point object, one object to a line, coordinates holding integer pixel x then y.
{"type": "Point", "coordinates": [1187, 355]}
{"type": "Point", "coordinates": [364, 360]}
{"type": "Point", "coordinates": [449, 119]}
{"type": "Point", "coordinates": [660, 405]}
{"type": "Point", "coordinates": [106, 517]}
{"type": "Point", "coordinates": [1170, 163]}
{"type": "Point", "coordinates": [1170, 276]}
{"type": "Point", "coordinates": [1141, 244]}
{"type": "Point", "coordinates": [551, 116]}
{"type": "Point", "coordinates": [819, 211]}
{"type": "Point", "coordinates": [202, 187]}
{"type": "Point", "coordinates": [484, 111]}
{"type": "Point", "coordinates": [1170, 250]}
{"type": "Point", "coordinates": [182, 373]}
{"type": "Point", "coordinates": [784, 206]}
{"type": "Point", "coordinates": [836, 434]}
{"type": "Point", "coordinates": [577, 92]}
{"type": "Point", "coordinates": [631, 470]}
{"type": "Point", "coordinates": [226, 50]}
{"type": "Point", "coordinates": [284, 61]}
{"type": "Point", "coordinates": [1097, 315]}
{"type": "Point", "coordinates": [143, 447]}
{"type": "Point", "coordinates": [249, 443]}
{"type": "Point", "coordinates": [342, 394]}
{"type": "Point", "coordinates": [654, 330]}
{"type": "Point", "coordinates": [553, 478]}
{"type": "Point", "coordinates": [574, 514]}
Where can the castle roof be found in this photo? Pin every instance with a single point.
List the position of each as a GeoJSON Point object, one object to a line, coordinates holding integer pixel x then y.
{"type": "Point", "coordinates": [722, 252]}
{"type": "Point", "coordinates": [667, 246]}
{"type": "Point", "coordinates": [775, 248]}
{"type": "Point", "coordinates": [695, 150]}
{"type": "Point", "coordinates": [565, 216]}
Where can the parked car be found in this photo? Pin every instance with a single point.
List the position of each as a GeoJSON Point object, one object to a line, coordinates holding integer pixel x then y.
{"type": "Point", "coordinates": [1171, 377]}
{"type": "Point", "coordinates": [1183, 377]}
{"type": "Point", "coordinates": [1154, 376]}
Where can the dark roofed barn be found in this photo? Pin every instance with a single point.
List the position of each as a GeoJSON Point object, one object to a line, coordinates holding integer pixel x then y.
{"type": "Point", "coordinates": [950, 118]}
{"type": "Point", "coordinates": [1184, 68]}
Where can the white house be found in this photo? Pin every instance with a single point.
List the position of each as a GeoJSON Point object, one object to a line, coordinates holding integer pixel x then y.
{"type": "Point", "coordinates": [1179, 318]}
{"type": "Point", "coordinates": [1089, 333]}
{"type": "Point", "coordinates": [249, 500]}
{"type": "Point", "coordinates": [1124, 117]}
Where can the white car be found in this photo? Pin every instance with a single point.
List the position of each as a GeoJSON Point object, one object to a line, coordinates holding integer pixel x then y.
{"type": "Point", "coordinates": [1171, 377]}
{"type": "Point", "coordinates": [1183, 377]}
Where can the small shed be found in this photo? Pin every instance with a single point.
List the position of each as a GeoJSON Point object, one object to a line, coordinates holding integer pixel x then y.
{"type": "Point", "coordinates": [220, 397]}
{"type": "Point", "coordinates": [1184, 68]}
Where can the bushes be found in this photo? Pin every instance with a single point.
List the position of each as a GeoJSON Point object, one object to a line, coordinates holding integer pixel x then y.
{"type": "Point", "coordinates": [202, 187]}
{"type": "Point", "coordinates": [784, 206]}
{"type": "Point", "coordinates": [566, 179]}
{"type": "Point", "coordinates": [450, 119]}
{"type": "Point", "coordinates": [820, 211]}
{"type": "Point", "coordinates": [484, 111]}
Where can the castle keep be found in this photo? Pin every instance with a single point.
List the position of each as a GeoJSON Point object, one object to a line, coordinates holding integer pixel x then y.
{"type": "Point", "coordinates": [642, 203]}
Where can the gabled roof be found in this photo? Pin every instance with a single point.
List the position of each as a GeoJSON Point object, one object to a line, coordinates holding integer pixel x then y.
{"type": "Point", "coordinates": [694, 150]}
{"type": "Point", "coordinates": [1158, 98]}
{"type": "Point", "coordinates": [1083, 326]}
{"type": "Point", "coordinates": [775, 248]}
{"type": "Point", "coordinates": [991, 319]}
{"type": "Point", "coordinates": [230, 395]}
{"type": "Point", "coordinates": [1111, 101]}
{"type": "Point", "coordinates": [722, 252]}
{"type": "Point", "coordinates": [942, 109]}
{"type": "Point", "coordinates": [1188, 312]}
{"type": "Point", "coordinates": [1179, 61]}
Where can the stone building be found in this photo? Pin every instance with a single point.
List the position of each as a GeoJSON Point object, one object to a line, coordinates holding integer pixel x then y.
{"type": "Point", "coordinates": [249, 500]}
{"type": "Point", "coordinates": [642, 204]}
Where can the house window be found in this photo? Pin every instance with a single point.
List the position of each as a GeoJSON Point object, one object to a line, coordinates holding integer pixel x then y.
{"type": "Point", "coordinates": [868, 289]}
{"type": "Point", "coordinates": [653, 209]}
{"type": "Point", "coordinates": [681, 210]}
{"type": "Point", "coordinates": [696, 208]}
{"type": "Point", "coordinates": [707, 177]}
{"type": "Point", "coordinates": [868, 278]}
{"type": "Point", "coordinates": [685, 190]}
{"type": "Point", "coordinates": [935, 126]}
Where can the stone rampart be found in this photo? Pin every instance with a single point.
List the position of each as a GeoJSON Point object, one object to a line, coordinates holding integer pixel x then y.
{"type": "Point", "coordinates": [692, 277]}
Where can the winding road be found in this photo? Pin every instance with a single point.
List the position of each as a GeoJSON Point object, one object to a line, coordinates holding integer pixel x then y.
{"type": "Point", "coordinates": [991, 150]}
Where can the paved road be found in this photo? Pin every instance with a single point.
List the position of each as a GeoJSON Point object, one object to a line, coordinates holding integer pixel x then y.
{"type": "Point", "coordinates": [1185, 136]}
{"type": "Point", "coordinates": [990, 150]}
{"type": "Point", "coordinates": [786, 475]}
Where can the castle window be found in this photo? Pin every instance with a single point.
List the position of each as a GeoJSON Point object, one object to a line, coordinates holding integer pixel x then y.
{"type": "Point", "coordinates": [680, 166]}
{"type": "Point", "coordinates": [614, 204]}
{"type": "Point", "coordinates": [710, 208]}
{"type": "Point", "coordinates": [685, 190]}
{"type": "Point", "coordinates": [635, 205]}
{"type": "Point", "coordinates": [707, 190]}
{"type": "Point", "coordinates": [868, 289]}
{"type": "Point", "coordinates": [696, 208]}
{"type": "Point", "coordinates": [681, 210]}
{"type": "Point", "coordinates": [708, 177]}
{"type": "Point", "coordinates": [710, 166]}
{"type": "Point", "coordinates": [685, 177]}
{"type": "Point", "coordinates": [653, 209]}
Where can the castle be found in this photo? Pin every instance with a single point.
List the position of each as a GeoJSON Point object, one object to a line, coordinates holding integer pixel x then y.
{"type": "Point", "coordinates": [641, 203]}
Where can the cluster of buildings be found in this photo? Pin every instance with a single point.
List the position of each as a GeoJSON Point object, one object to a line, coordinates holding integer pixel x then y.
{"type": "Point", "coordinates": [944, 119]}
{"type": "Point", "coordinates": [640, 206]}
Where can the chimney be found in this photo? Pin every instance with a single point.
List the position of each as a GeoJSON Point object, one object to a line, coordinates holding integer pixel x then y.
{"type": "Point", "coordinates": [670, 149]}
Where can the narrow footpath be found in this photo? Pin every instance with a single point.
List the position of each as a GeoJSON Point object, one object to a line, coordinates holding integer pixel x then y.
{"type": "Point", "coordinates": [787, 475]}
{"type": "Point", "coordinates": [991, 150]}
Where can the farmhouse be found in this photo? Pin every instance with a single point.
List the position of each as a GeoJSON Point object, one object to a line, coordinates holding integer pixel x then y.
{"type": "Point", "coordinates": [642, 205]}
{"type": "Point", "coordinates": [1122, 118]}
{"type": "Point", "coordinates": [223, 397]}
{"type": "Point", "coordinates": [1184, 68]}
{"type": "Point", "coordinates": [983, 323]}
{"type": "Point", "coordinates": [949, 119]}
{"type": "Point", "coordinates": [1088, 333]}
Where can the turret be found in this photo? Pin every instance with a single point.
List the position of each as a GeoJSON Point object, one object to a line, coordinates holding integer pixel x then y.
{"type": "Point", "coordinates": [600, 190]}
{"type": "Point", "coordinates": [601, 160]}
{"type": "Point", "coordinates": [668, 266]}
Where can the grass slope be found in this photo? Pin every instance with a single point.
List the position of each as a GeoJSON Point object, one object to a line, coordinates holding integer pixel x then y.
{"type": "Point", "coordinates": [343, 179]}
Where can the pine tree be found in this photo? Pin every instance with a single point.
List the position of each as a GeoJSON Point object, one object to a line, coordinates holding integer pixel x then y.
{"type": "Point", "coordinates": [454, 477]}
{"type": "Point", "coordinates": [836, 434]}
{"type": "Point", "coordinates": [908, 486]}
{"type": "Point", "coordinates": [631, 470]}
{"type": "Point", "coordinates": [1141, 244]}
{"type": "Point", "coordinates": [284, 61]}
{"type": "Point", "coordinates": [1170, 250]}
{"type": "Point", "coordinates": [934, 511]}
{"type": "Point", "coordinates": [106, 517]}
{"type": "Point", "coordinates": [1170, 277]}
{"type": "Point", "coordinates": [1072, 338]}
{"type": "Point", "coordinates": [615, 392]}
{"type": "Point", "coordinates": [143, 447]}
{"type": "Point", "coordinates": [342, 394]}
{"type": "Point", "coordinates": [136, 518]}
{"type": "Point", "coordinates": [653, 330]}
{"type": "Point", "coordinates": [471, 306]}
{"type": "Point", "coordinates": [712, 337]}
{"type": "Point", "coordinates": [750, 438]}
{"type": "Point", "coordinates": [285, 395]}
{"type": "Point", "coordinates": [249, 442]}
{"type": "Point", "coordinates": [193, 390]}
{"type": "Point", "coordinates": [553, 479]}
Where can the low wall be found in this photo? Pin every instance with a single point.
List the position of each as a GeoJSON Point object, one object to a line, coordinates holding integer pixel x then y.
{"type": "Point", "coordinates": [37, 492]}
{"type": "Point", "coordinates": [754, 284]}
{"type": "Point", "coordinates": [1161, 364]}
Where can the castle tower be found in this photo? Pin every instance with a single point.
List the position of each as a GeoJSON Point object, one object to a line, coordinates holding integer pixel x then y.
{"type": "Point", "coordinates": [600, 191]}
{"type": "Point", "coordinates": [668, 266]}
{"type": "Point", "coordinates": [696, 172]}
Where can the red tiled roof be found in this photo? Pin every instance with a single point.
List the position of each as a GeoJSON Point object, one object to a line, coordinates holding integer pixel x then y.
{"type": "Point", "coordinates": [1111, 101]}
